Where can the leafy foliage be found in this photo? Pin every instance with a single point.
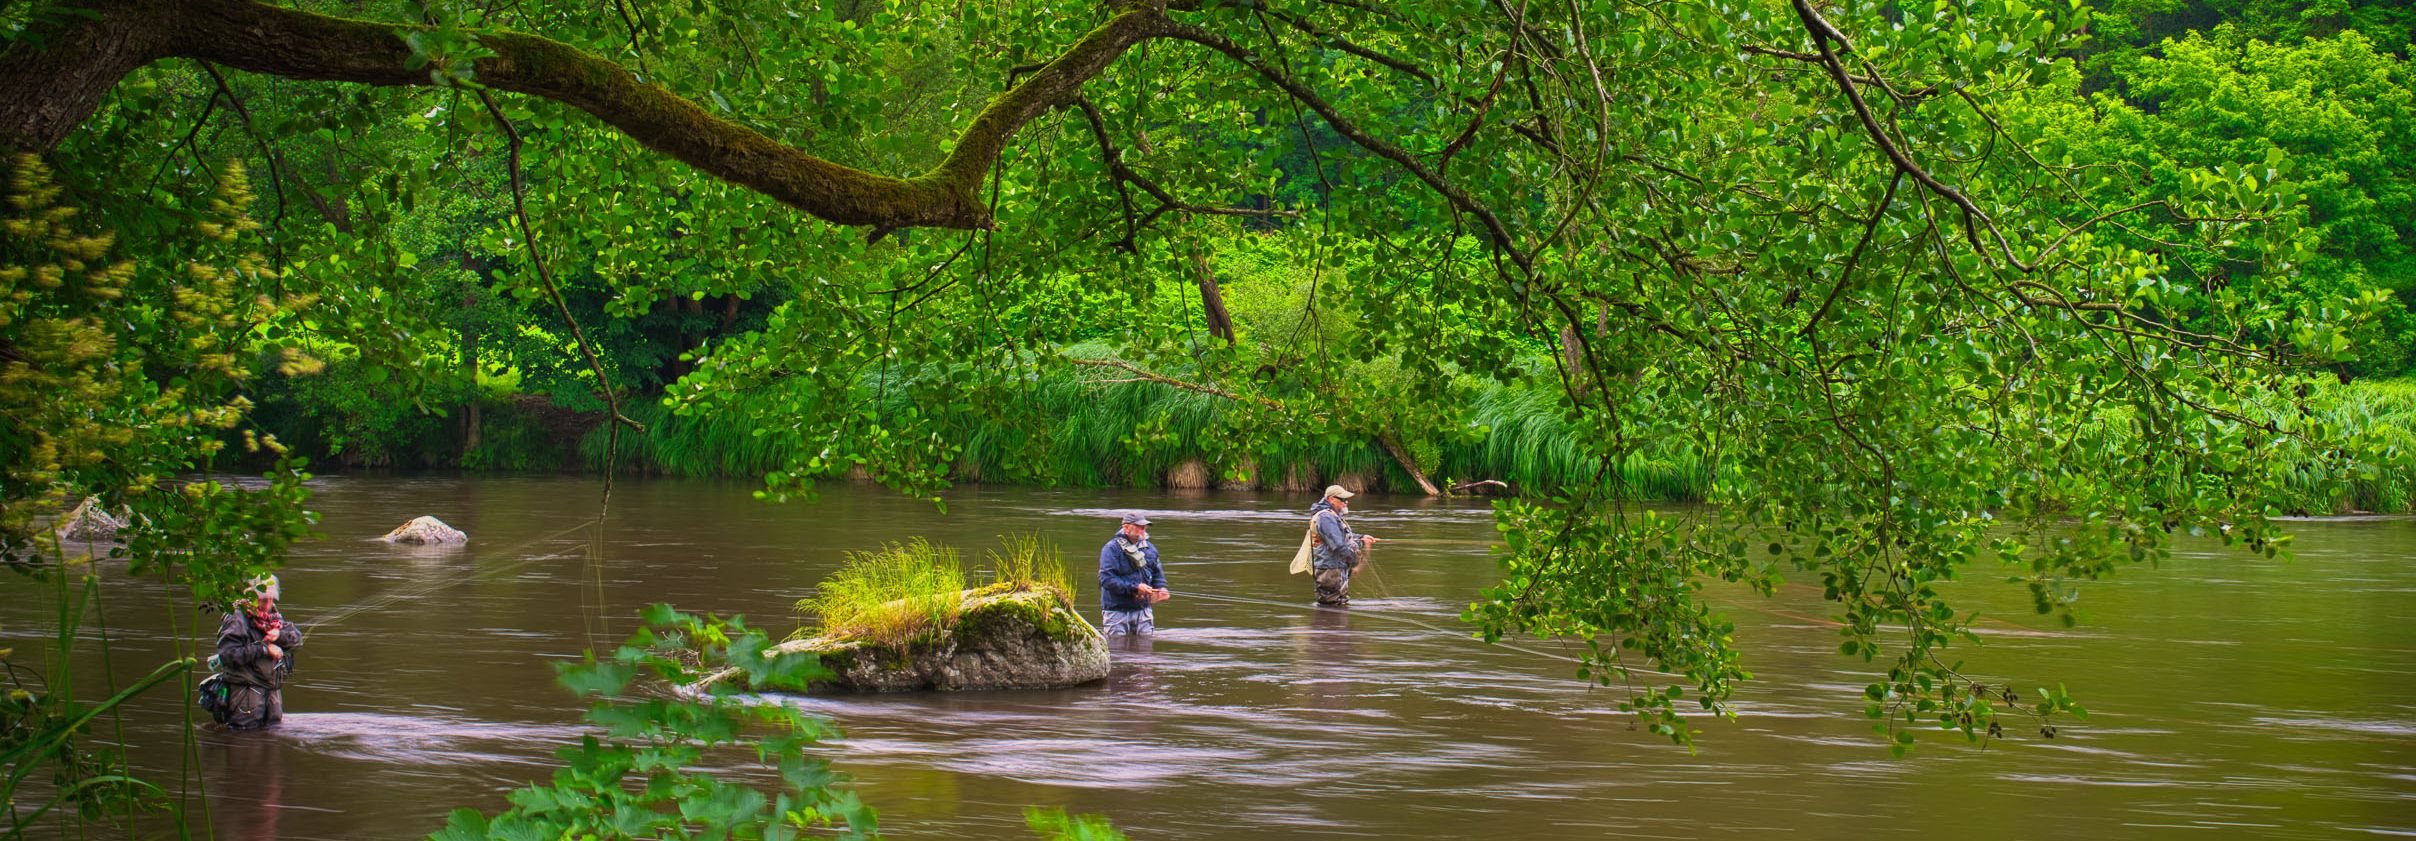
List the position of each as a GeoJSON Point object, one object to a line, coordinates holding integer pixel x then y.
{"type": "Point", "coordinates": [1870, 277]}
{"type": "Point", "coordinates": [120, 379]}
{"type": "Point", "coordinates": [1056, 825]}
{"type": "Point", "coordinates": [2331, 117]}
{"type": "Point", "coordinates": [637, 781]}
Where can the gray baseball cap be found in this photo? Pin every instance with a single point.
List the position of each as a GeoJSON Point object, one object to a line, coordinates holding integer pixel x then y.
{"type": "Point", "coordinates": [1338, 492]}
{"type": "Point", "coordinates": [1134, 518]}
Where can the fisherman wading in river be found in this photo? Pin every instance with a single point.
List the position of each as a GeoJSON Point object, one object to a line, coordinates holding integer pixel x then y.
{"type": "Point", "coordinates": [1130, 580]}
{"type": "Point", "coordinates": [1339, 552]}
{"type": "Point", "coordinates": [255, 656]}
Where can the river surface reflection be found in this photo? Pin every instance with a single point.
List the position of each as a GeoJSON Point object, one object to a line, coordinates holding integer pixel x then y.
{"type": "Point", "coordinates": [2230, 694]}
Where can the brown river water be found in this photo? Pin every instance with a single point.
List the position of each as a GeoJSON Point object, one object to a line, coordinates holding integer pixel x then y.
{"type": "Point", "coordinates": [2231, 696]}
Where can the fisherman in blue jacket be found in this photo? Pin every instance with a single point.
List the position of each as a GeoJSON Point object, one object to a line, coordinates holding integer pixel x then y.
{"type": "Point", "coordinates": [1130, 580]}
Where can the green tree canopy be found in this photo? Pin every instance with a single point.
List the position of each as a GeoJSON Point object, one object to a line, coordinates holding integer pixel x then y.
{"type": "Point", "coordinates": [1803, 237]}
{"type": "Point", "coordinates": [2332, 114]}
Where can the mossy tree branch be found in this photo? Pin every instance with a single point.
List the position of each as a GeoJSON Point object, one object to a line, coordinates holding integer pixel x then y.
{"type": "Point", "coordinates": [54, 76]}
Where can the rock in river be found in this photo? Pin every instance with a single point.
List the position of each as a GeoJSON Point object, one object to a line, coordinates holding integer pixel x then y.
{"type": "Point", "coordinates": [1004, 638]}
{"type": "Point", "coordinates": [425, 531]}
{"type": "Point", "coordinates": [90, 522]}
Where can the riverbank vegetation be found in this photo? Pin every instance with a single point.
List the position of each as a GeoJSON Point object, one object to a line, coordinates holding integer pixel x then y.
{"type": "Point", "coordinates": [1903, 289]}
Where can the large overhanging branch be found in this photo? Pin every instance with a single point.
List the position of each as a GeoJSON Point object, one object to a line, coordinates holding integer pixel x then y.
{"type": "Point", "coordinates": [55, 77]}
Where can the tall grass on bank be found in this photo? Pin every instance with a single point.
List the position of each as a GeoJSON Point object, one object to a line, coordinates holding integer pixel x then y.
{"type": "Point", "coordinates": [2381, 415]}
{"type": "Point", "coordinates": [1135, 434]}
{"type": "Point", "coordinates": [702, 445]}
{"type": "Point", "coordinates": [1528, 444]}
{"type": "Point", "coordinates": [1083, 433]}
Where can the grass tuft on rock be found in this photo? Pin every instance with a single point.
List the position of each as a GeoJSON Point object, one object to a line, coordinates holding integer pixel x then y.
{"type": "Point", "coordinates": [1030, 562]}
{"type": "Point", "coordinates": [894, 595]}
{"type": "Point", "coordinates": [914, 591]}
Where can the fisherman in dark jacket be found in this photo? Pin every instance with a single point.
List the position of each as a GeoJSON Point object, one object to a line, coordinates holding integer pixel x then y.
{"type": "Point", "coordinates": [255, 646]}
{"type": "Point", "coordinates": [1339, 551]}
{"type": "Point", "coordinates": [1130, 580]}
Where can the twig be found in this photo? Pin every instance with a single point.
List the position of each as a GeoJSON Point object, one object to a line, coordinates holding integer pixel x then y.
{"type": "Point", "coordinates": [528, 236]}
{"type": "Point", "coordinates": [1869, 229]}
{"type": "Point", "coordinates": [1186, 385]}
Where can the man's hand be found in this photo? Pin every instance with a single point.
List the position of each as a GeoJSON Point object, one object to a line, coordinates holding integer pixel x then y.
{"type": "Point", "coordinates": [275, 653]}
{"type": "Point", "coordinates": [1159, 594]}
{"type": "Point", "coordinates": [1367, 540]}
{"type": "Point", "coordinates": [272, 631]}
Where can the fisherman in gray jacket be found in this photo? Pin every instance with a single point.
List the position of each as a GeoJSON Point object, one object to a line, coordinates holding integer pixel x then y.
{"type": "Point", "coordinates": [255, 656]}
{"type": "Point", "coordinates": [1339, 551]}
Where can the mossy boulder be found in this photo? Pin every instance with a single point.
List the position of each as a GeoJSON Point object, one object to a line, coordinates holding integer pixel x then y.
{"type": "Point", "coordinates": [1002, 638]}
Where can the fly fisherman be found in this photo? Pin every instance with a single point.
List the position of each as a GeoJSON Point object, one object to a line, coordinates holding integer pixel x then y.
{"type": "Point", "coordinates": [1130, 580]}
{"type": "Point", "coordinates": [1339, 551]}
{"type": "Point", "coordinates": [255, 656]}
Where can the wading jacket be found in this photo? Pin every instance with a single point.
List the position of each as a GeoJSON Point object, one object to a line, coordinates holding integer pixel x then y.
{"type": "Point", "coordinates": [1337, 546]}
{"type": "Point", "coordinates": [243, 651]}
{"type": "Point", "coordinates": [1121, 574]}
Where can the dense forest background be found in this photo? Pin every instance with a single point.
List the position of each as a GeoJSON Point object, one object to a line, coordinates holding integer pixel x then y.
{"type": "Point", "coordinates": [479, 372]}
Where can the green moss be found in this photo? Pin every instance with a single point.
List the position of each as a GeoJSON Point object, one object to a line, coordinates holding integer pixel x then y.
{"type": "Point", "coordinates": [1000, 607]}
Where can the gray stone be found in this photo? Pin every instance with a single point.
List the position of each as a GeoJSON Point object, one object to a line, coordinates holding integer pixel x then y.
{"type": "Point", "coordinates": [1002, 639]}
{"type": "Point", "coordinates": [425, 531]}
{"type": "Point", "coordinates": [89, 522]}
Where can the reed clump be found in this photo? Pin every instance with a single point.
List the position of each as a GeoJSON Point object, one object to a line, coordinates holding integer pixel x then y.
{"type": "Point", "coordinates": [1029, 562]}
{"type": "Point", "coordinates": [895, 595]}
{"type": "Point", "coordinates": [915, 591]}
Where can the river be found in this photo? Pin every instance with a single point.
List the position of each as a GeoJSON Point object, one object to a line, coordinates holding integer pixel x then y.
{"type": "Point", "coordinates": [2230, 695]}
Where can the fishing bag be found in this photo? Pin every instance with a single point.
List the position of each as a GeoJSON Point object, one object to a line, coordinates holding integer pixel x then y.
{"type": "Point", "coordinates": [213, 697]}
{"type": "Point", "coordinates": [1308, 546]}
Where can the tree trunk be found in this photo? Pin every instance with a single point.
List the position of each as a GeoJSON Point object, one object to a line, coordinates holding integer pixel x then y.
{"type": "Point", "coordinates": [473, 420]}
{"type": "Point", "coordinates": [1212, 300]}
{"type": "Point", "coordinates": [1401, 455]}
{"type": "Point", "coordinates": [1572, 358]}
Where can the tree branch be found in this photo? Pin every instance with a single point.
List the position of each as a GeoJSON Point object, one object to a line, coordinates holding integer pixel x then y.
{"type": "Point", "coordinates": [54, 77]}
{"type": "Point", "coordinates": [1495, 230]}
{"type": "Point", "coordinates": [1869, 229]}
{"type": "Point", "coordinates": [1186, 385]}
{"type": "Point", "coordinates": [1823, 36]}
{"type": "Point", "coordinates": [1124, 173]}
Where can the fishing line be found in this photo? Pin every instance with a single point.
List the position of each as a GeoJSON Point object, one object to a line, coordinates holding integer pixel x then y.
{"type": "Point", "coordinates": [412, 593]}
{"type": "Point", "coordinates": [1392, 616]}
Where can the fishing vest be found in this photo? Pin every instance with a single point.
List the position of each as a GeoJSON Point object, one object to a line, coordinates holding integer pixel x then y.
{"type": "Point", "coordinates": [1140, 559]}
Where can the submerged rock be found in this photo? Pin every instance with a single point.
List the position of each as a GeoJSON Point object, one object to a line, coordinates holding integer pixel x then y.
{"type": "Point", "coordinates": [1003, 639]}
{"type": "Point", "coordinates": [425, 531]}
{"type": "Point", "coordinates": [89, 522]}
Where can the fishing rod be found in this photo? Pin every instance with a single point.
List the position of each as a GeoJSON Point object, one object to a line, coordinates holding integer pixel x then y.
{"type": "Point", "coordinates": [1395, 616]}
{"type": "Point", "coordinates": [412, 593]}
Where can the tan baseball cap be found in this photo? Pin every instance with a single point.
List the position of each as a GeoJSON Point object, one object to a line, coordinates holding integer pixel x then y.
{"type": "Point", "coordinates": [1338, 492]}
